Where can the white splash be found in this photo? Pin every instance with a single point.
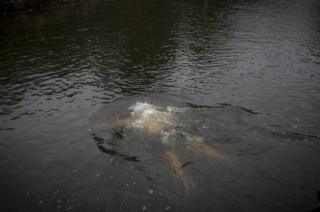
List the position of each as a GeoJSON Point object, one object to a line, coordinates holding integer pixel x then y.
{"type": "Point", "coordinates": [159, 120]}
{"type": "Point", "coordinates": [152, 118]}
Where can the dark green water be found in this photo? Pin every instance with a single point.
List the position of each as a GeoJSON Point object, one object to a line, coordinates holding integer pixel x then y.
{"type": "Point", "coordinates": [248, 71]}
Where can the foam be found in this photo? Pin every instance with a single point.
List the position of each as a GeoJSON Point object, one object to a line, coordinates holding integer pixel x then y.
{"type": "Point", "coordinates": [159, 120]}
{"type": "Point", "coordinates": [151, 118]}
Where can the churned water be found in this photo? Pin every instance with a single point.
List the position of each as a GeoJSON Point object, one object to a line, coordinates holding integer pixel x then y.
{"type": "Point", "coordinates": [147, 105]}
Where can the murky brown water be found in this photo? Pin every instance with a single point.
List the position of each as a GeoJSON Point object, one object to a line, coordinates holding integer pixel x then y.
{"type": "Point", "coordinates": [246, 74]}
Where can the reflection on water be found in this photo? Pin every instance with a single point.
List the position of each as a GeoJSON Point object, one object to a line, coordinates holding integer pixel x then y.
{"type": "Point", "coordinates": [246, 70]}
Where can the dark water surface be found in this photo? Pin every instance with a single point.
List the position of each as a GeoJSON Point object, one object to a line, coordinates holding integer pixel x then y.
{"type": "Point", "coordinates": [248, 71]}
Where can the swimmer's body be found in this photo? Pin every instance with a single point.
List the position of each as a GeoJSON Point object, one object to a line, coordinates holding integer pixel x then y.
{"type": "Point", "coordinates": [151, 120]}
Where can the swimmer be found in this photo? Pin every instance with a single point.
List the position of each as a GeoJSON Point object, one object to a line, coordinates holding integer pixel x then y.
{"type": "Point", "coordinates": [155, 120]}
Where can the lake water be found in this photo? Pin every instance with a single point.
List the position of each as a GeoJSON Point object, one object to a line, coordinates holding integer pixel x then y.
{"type": "Point", "coordinates": [244, 77]}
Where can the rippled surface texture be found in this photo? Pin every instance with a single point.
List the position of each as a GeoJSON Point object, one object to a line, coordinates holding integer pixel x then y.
{"type": "Point", "coordinates": [248, 73]}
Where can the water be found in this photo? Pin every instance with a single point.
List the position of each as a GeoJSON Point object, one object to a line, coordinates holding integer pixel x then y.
{"type": "Point", "coordinates": [247, 73]}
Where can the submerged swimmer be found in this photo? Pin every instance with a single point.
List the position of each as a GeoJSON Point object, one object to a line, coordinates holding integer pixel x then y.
{"type": "Point", "coordinates": [164, 122]}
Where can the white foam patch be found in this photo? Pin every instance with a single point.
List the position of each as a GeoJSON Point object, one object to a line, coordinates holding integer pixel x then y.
{"type": "Point", "coordinates": [193, 138]}
{"type": "Point", "coordinates": [158, 120]}
{"type": "Point", "coordinates": [150, 117]}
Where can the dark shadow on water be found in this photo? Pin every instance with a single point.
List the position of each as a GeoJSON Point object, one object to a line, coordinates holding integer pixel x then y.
{"type": "Point", "coordinates": [100, 142]}
{"type": "Point", "coordinates": [223, 105]}
{"type": "Point", "coordinates": [318, 208]}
